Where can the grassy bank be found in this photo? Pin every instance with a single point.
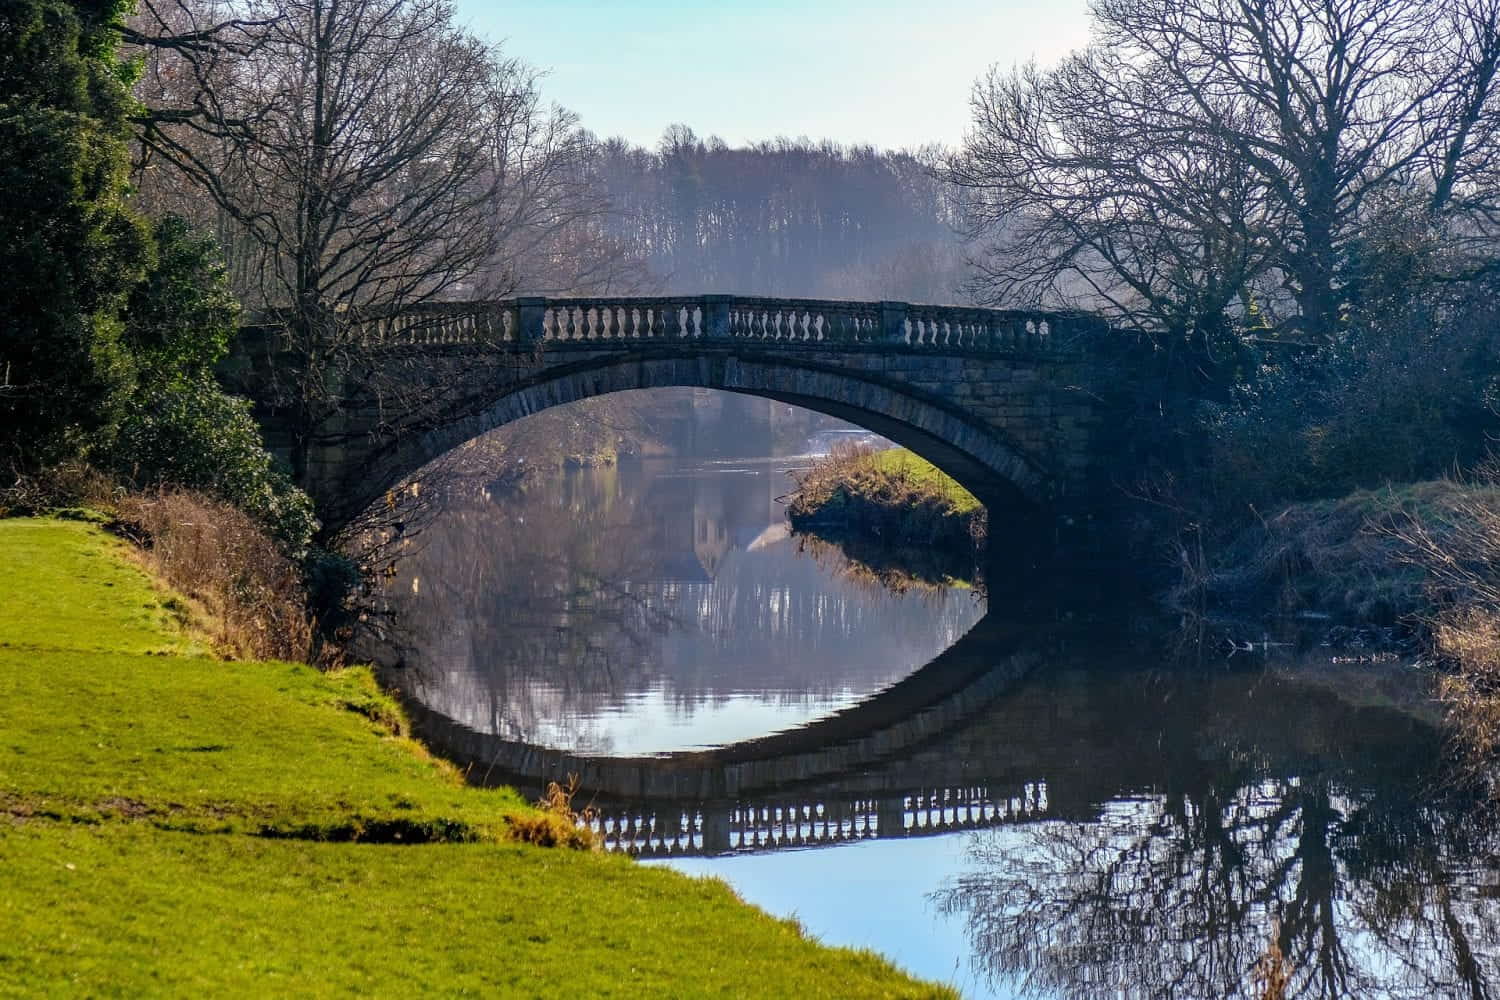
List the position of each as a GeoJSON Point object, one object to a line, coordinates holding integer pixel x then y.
{"type": "Point", "coordinates": [1368, 557]}
{"type": "Point", "coordinates": [892, 496]}
{"type": "Point", "coordinates": [171, 824]}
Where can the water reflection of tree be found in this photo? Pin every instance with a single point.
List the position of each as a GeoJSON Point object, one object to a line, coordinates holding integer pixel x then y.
{"type": "Point", "coordinates": [520, 609]}
{"type": "Point", "coordinates": [1175, 895]}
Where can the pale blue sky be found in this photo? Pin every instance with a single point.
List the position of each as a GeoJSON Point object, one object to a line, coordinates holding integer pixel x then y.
{"type": "Point", "coordinates": [852, 71]}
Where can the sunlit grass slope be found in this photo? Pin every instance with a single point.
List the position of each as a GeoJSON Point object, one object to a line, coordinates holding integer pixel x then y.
{"type": "Point", "coordinates": [892, 495]}
{"type": "Point", "coordinates": [171, 824]}
{"type": "Point", "coordinates": [899, 463]}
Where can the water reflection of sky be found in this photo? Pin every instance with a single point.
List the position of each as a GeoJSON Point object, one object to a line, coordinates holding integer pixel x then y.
{"type": "Point", "coordinates": [874, 895]}
{"type": "Point", "coordinates": [1189, 811]}
{"type": "Point", "coordinates": [654, 607]}
{"type": "Point", "coordinates": [1194, 815]}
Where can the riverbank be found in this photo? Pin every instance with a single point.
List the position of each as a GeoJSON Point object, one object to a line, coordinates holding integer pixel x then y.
{"type": "Point", "coordinates": [173, 824]}
{"type": "Point", "coordinates": [894, 498]}
{"type": "Point", "coordinates": [1382, 557]}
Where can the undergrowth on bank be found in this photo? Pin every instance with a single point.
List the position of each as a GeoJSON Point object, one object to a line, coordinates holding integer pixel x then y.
{"type": "Point", "coordinates": [891, 494]}
{"type": "Point", "coordinates": [173, 824]}
{"type": "Point", "coordinates": [1422, 555]}
{"type": "Point", "coordinates": [251, 594]}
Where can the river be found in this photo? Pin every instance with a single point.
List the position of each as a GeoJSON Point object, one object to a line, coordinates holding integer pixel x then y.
{"type": "Point", "coordinates": [1008, 802]}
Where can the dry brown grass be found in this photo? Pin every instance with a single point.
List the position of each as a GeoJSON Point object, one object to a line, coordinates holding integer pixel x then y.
{"type": "Point", "coordinates": [1469, 640]}
{"type": "Point", "coordinates": [1273, 973]}
{"type": "Point", "coordinates": [250, 598]}
{"type": "Point", "coordinates": [61, 488]}
{"type": "Point", "coordinates": [1459, 549]}
{"type": "Point", "coordinates": [557, 823]}
{"type": "Point", "coordinates": [253, 595]}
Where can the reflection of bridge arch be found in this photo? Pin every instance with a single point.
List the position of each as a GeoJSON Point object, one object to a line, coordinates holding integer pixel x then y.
{"type": "Point", "coordinates": [811, 786]}
{"type": "Point", "coordinates": [978, 739]}
{"type": "Point", "coordinates": [960, 682]}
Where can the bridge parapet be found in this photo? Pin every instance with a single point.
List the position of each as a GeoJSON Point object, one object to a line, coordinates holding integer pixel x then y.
{"type": "Point", "coordinates": [608, 321]}
{"type": "Point", "coordinates": [675, 830]}
{"type": "Point", "coordinates": [1012, 403]}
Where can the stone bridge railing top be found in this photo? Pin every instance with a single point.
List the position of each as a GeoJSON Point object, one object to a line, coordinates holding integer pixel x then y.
{"type": "Point", "coordinates": [606, 321]}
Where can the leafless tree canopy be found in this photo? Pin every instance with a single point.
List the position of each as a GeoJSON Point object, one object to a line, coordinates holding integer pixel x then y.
{"type": "Point", "coordinates": [1204, 154]}
{"type": "Point", "coordinates": [355, 153]}
{"type": "Point", "coordinates": [353, 142]}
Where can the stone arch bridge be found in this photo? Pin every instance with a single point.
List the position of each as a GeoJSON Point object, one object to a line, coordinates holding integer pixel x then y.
{"type": "Point", "coordinates": [1015, 405]}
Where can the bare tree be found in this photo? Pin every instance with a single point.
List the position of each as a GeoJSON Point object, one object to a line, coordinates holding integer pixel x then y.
{"type": "Point", "coordinates": [369, 152]}
{"type": "Point", "coordinates": [1203, 151]}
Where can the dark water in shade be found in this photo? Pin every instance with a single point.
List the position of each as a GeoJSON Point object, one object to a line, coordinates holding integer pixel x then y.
{"type": "Point", "coordinates": [1020, 808]}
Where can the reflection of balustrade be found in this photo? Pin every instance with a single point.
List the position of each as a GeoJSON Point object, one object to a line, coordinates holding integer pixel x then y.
{"type": "Point", "coordinates": [738, 827]}
{"type": "Point", "coordinates": [608, 321]}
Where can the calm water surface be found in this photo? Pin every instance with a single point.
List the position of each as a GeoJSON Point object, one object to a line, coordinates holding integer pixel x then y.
{"type": "Point", "coordinates": [654, 607]}
{"type": "Point", "coordinates": [1019, 808]}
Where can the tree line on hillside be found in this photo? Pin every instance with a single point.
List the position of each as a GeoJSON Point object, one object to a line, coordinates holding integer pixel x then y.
{"type": "Point", "coordinates": [788, 218]}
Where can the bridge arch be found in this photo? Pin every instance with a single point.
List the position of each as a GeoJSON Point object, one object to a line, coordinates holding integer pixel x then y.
{"type": "Point", "coordinates": [1012, 404]}
{"type": "Point", "coordinates": [981, 457]}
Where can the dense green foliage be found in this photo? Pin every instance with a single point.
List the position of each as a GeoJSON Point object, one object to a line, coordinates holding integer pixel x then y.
{"type": "Point", "coordinates": [165, 822]}
{"type": "Point", "coordinates": [179, 428]}
{"type": "Point", "coordinates": [70, 250]}
{"type": "Point", "coordinates": [1402, 397]}
{"type": "Point", "coordinates": [112, 328]}
{"type": "Point", "coordinates": [188, 432]}
{"type": "Point", "coordinates": [180, 318]}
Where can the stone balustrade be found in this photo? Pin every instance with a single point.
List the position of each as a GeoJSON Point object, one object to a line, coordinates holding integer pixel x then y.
{"type": "Point", "coordinates": [743, 827]}
{"type": "Point", "coordinates": [606, 321]}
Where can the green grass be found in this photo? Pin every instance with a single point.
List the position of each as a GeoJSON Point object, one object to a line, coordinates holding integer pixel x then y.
{"type": "Point", "coordinates": [68, 585]}
{"type": "Point", "coordinates": [893, 498]}
{"type": "Point", "coordinates": [900, 463]}
{"type": "Point", "coordinates": [168, 825]}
